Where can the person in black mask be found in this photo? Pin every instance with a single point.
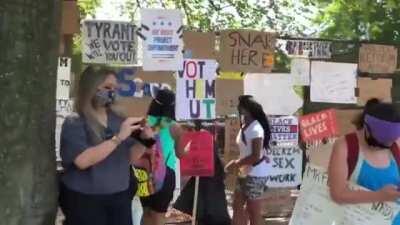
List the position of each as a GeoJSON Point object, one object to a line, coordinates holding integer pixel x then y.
{"type": "Point", "coordinates": [96, 148]}
{"type": "Point", "coordinates": [368, 157]}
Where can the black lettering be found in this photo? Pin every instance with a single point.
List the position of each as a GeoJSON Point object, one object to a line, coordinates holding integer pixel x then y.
{"type": "Point", "coordinates": [64, 62]}
{"type": "Point", "coordinates": [190, 89]}
{"type": "Point", "coordinates": [194, 110]}
{"type": "Point", "coordinates": [210, 88]}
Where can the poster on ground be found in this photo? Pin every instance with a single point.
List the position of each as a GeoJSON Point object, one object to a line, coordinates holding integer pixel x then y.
{"type": "Point", "coordinates": [195, 90]}
{"type": "Point", "coordinates": [162, 32]}
{"type": "Point", "coordinates": [315, 206]}
{"type": "Point", "coordinates": [284, 131]}
{"type": "Point", "coordinates": [109, 42]}
{"type": "Point", "coordinates": [275, 92]}
{"type": "Point", "coordinates": [199, 161]}
{"type": "Point", "coordinates": [333, 82]}
{"type": "Point", "coordinates": [247, 51]}
{"type": "Point", "coordinates": [285, 166]}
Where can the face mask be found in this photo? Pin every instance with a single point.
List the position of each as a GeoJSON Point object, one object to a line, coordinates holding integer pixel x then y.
{"type": "Point", "coordinates": [104, 97]}
{"type": "Point", "coordinates": [382, 133]}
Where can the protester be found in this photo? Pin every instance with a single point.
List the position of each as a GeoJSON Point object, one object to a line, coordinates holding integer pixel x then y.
{"type": "Point", "coordinates": [368, 157]}
{"type": "Point", "coordinates": [95, 149]}
{"type": "Point", "coordinates": [253, 140]}
{"type": "Point", "coordinates": [161, 117]}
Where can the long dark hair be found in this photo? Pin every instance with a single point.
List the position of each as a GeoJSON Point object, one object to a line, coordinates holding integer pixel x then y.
{"type": "Point", "coordinates": [256, 111]}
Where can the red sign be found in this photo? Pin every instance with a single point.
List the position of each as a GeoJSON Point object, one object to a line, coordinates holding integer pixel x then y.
{"type": "Point", "coordinates": [199, 161]}
{"type": "Point", "coordinates": [317, 126]}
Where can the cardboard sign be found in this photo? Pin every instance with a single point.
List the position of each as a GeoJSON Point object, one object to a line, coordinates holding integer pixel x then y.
{"type": "Point", "coordinates": [195, 90]}
{"type": "Point", "coordinates": [284, 168]}
{"type": "Point", "coordinates": [199, 45]}
{"type": "Point", "coordinates": [309, 49]}
{"type": "Point", "coordinates": [345, 120]}
{"type": "Point", "coordinates": [247, 51]}
{"type": "Point", "coordinates": [162, 32]}
{"type": "Point", "coordinates": [369, 88]}
{"type": "Point", "coordinates": [284, 131]}
{"type": "Point", "coordinates": [69, 18]}
{"type": "Point", "coordinates": [377, 58]}
{"type": "Point", "coordinates": [137, 88]}
{"type": "Point", "coordinates": [315, 206]}
{"type": "Point", "coordinates": [333, 82]}
{"type": "Point", "coordinates": [109, 42]}
{"type": "Point", "coordinates": [317, 126]}
{"type": "Point", "coordinates": [227, 95]}
{"type": "Point", "coordinates": [199, 161]}
{"type": "Point", "coordinates": [232, 127]}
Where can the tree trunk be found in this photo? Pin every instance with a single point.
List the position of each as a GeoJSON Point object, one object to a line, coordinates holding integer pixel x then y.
{"type": "Point", "coordinates": [28, 61]}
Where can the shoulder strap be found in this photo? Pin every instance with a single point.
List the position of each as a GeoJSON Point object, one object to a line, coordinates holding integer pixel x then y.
{"type": "Point", "coordinates": [396, 153]}
{"type": "Point", "coordinates": [352, 152]}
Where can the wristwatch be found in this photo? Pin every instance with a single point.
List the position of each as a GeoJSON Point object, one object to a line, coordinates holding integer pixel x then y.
{"type": "Point", "coordinates": [116, 140]}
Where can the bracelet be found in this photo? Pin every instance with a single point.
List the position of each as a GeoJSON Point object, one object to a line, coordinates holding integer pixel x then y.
{"type": "Point", "coordinates": [116, 140]}
{"type": "Point", "coordinates": [148, 142]}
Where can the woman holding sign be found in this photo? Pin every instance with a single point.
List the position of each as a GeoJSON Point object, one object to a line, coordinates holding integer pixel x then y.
{"type": "Point", "coordinates": [96, 150]}
{"type": "Point", "coordinates": [160, 164]}
{"type": "Point", "coordinates": [368, 157]}
{"type": "Point", "coordinates": [253, 140]}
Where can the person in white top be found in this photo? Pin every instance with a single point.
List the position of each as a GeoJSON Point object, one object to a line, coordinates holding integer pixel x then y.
{"type": "Point", "coordinates": [252, 165]}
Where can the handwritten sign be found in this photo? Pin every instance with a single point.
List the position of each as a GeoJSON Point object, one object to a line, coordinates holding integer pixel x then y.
{"type": "Point", "coordinates": [315, 206]}
{"type": "Point", "coordinates": [300, 70]}
{"type": "Point", "coordinates": [309, 49]}
{"type": "Point", "coordinates": [317, 126]}
{"type": "Point", "coordinates": [195, 90]}
{"type": "Point", "coordinates": [199, 45]}
{"type": "Point", "coordinates": [109, 42]}
{"type": "Point", "coordinates": [199, 161]}
{"type": "Point", "coordinates": [333, 82]}
{"type": "Point", "coordinates": [377, 58]}
{"type": "Point", "coordinates": [232, 127]}
{"type": "Point", "coordinates": [368, 89]}
{"type": "Point", "coordinates": [247, 51]}
{"type": "Point", "coordinates": [284, 167]}
{"type": "Point", "coordinates": [162, 33]}
{"type": "Point", "coordinates": [284, 131]}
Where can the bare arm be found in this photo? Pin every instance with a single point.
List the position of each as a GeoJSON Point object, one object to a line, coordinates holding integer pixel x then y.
{"type": "Point", "coordinates": [338, 183]}
{"type": "Point", "coordinates": [256, 148]}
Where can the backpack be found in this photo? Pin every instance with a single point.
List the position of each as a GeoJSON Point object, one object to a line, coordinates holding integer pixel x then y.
{"type": "Point", "coordinates": [353, 149]}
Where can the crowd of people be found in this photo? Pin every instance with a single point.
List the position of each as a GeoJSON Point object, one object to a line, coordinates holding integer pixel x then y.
{"type": "Point", "coordinates": [108, 158]}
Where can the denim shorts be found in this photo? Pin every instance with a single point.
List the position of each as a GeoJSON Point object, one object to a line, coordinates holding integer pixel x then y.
{"type": "Point", "coordinates": [252, 187]}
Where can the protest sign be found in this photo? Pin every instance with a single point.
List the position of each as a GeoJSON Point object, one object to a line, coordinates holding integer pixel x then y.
{"type": "Point", "coordinates": [284, 130]}
{"type": "Point", "coordinates": [346, 119]}
{"type": "Point", "coordinates": [247, 51]}
{"type": "Point", "coordinates": [70, 18]}
{"type": "Point", "coordinates": [199, 161]}
{"type": "Point", "coordinates": [227, 94]}
{"type": "Point", "coordinates": [232, 127]}
{"type": "Point", "coordinates": [309, 49]}
{"type": "Point", "coordinates": [137, 88]}
{"type": "Point", "coordinates": [275, 92]}
{"type": "Point", "coordinates": [333, 82]}
{"type": "Point", "coordinates": [162, 33]}
{"type": "Point", "coordinates": [199, 45]}
{"type": "Point", "coordinates": [317, 126]}
{"type": "Point", "coordinates": [63, 78]}
{"type": "Point", "coordinates": [368, 88]}
{"type": "Point", "coordinates": [377, 58]}
{"type": "Point", "coordinates": [195, 90]}
{"type": "Point", "coordinates": [315, 206]}
{"type": "Point", "coordinates": [284, 168]}
{"type": "Point", "coordinates": [109, 42]}
{"type": "Point", "coordinates": [300, 70]}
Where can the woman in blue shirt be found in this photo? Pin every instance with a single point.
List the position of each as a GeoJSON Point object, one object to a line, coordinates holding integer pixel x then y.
{"type": "Point", "coordinates": [96, 148]}
{"type": "Point", "coordinates": [376, 168]}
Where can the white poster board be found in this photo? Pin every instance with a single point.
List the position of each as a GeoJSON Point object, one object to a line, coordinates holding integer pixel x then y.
{"type": "Point", "coordinates": [195, 90]}
{"type": "Point", "coordinates": [300, 70]}
{"type": "Point", "coordinates": [284, 168]}
{"type": "Point", "coordinates": [333, 82]}
{"type": "Point", "coordinates": [274, 92]}
{"type": "Point", "coordinates": [314, 205]}
{"type": "Point", "coordinates": [162, 33]}
{"type": "Point", "coordinates": [109, 42]}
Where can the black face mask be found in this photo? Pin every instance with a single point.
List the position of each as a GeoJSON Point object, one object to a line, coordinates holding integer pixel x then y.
{"type": "Point", "coordinates": [371, 141]}
{"type": "Point", "coordinates": [104, 98]}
